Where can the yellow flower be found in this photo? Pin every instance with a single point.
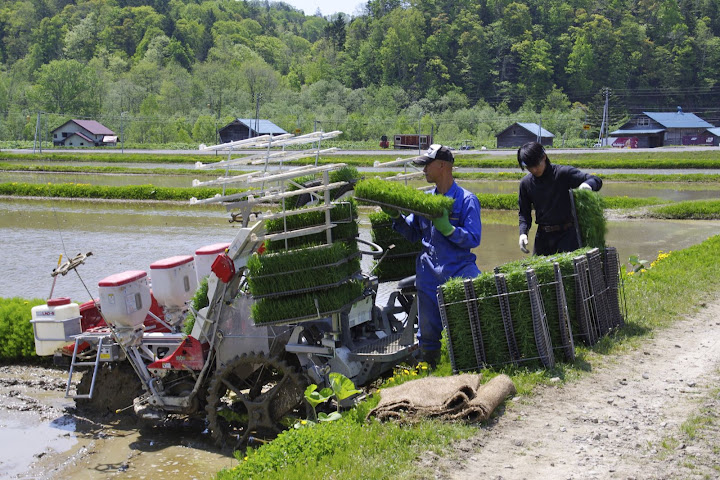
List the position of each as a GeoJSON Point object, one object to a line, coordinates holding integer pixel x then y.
{"type": "Point", "coordinates": [245, 458]}
{"type": "Point", "coordinates": [631, 273]}
{"type": "Point", "coordinates": [303, 422]}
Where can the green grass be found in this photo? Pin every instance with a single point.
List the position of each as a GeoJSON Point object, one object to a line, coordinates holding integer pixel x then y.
{"type": "Point", "coordinates": [128, 192]}
{"type": "Point", "coordinates": [674, 286]}
{"type": "Point", "coordinates": [695, 210]}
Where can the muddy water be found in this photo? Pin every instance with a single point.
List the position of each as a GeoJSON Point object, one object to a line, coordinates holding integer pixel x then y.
{"type": "Point", "coordinates": [131, 236]}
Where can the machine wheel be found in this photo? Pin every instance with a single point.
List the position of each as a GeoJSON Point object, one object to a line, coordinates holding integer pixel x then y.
{"type": "Point", "coordinates": [252, 395]}
{"type": "Point", "coordinates": [116, 386]}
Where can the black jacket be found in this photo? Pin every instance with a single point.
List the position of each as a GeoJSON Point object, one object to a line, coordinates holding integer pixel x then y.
{"type": "Point", "coordinates": [549, 195]}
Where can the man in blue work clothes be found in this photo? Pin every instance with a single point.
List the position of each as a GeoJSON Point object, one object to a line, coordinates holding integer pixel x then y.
{"type": "Point", "coordinates": [546, 189]}
{"type": "Point", "coordinates": [446, 244]}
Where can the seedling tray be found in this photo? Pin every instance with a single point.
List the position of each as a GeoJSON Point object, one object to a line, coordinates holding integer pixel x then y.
{"type": "Point", "coordinates": [394, 207]}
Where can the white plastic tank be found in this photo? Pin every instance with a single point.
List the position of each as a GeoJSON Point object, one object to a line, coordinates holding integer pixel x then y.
{"type": "Point", "coordinates": [205, 256]}
{"type": "Point", "coordinates": [125, 298]}
{"type": "Point", "coordinates": [174, 280]}
{"type": "Point", "coordinates": [54, 323]}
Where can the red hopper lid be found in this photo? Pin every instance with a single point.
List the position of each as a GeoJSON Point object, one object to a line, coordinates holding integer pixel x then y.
{"type": "Point", "coordinates": [215, 248]}
{"type": "Point", "coordinates": [122, 278]}
{"type": "Point", "coordinates": [171, 262]}
{"type": "Point", "coordinates": [55, 302]}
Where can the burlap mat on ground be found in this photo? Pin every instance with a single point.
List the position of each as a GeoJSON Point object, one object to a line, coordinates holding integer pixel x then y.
{"type": "Point", "coordinates": [459, 397]}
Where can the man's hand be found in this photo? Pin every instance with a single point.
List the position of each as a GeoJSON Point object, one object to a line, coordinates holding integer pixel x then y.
{"type": "Point", "coordinates": [390, 211]}
{"type": "Point", "coordinates": [585, 186]}
{"type": "Point", "coordinates": [522, 242]}
{"type": "Point", "coordinates": [443, 224]}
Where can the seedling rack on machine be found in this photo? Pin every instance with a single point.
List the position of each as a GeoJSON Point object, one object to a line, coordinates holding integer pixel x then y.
{"type": "Point", "coordinates": [244, 375]}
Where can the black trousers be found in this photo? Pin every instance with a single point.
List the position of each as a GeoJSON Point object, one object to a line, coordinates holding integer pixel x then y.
{"type": "Point", "coordinates": [549, 243]}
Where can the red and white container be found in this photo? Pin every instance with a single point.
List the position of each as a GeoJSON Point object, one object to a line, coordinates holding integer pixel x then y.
{"type": "Point", "coordinates": [174, 280]}
{"type": "Point", "coordinates": [125, 298]}
{"type": "Point", "coordinates": [54, 324]}
{"type": "Point", "coordinates": [205, 256]}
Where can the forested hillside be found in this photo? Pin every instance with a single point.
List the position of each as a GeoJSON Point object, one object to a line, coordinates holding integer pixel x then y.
{"type": "Point", "coordinates": [172, 71]}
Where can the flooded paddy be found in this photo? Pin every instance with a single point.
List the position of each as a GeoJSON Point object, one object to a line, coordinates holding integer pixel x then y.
{"type": "Point", "coordinates": [132, 235]}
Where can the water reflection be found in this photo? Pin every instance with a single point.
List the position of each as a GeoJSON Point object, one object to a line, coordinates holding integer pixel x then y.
{"type": "Point", "coordinates": [126, 236]}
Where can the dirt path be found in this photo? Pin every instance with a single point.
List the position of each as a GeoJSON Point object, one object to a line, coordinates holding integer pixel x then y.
{"type": "Point", "coordinates": [626, 420]}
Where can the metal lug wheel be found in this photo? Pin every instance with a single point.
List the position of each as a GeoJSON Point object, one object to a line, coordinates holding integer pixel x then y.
{"type": "Point", "coordinates": [253, 395]}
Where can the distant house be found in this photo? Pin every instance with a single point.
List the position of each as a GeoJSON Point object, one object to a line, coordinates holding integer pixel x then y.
{"type": "Point", "coordinates": [243, 128]}
{"type": "Point", "coordinates": [712, 136]}
{"type": "Point", "coordinates": [655, 129]}
{"type": "Point", "coordinates": [83, 133]}
{"type": "Point", "coordinates": [518, 134]}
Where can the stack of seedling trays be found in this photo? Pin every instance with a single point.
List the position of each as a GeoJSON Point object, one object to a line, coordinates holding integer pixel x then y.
{"type": "Point", "coordinates": [305, 283]}
{"type": "Point", "coordinates": [533, 309]}
{"type": "Point", "coordinates": [495, 319]}
{"type": "Point", "coordinates": [343, 217]}
{"type": "Point", "coordinates": [398, 262]}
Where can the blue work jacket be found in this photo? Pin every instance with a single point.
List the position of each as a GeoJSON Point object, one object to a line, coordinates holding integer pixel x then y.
{"type": "Point", "coordinates": [445, 257]}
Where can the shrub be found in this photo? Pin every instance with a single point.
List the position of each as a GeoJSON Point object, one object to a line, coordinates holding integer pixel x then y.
{"type": "Point", "coordinates": [16, 332]}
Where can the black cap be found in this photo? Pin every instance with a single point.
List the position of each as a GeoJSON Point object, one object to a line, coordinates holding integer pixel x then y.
{"type": "Point", "coordinates": [435, 152]}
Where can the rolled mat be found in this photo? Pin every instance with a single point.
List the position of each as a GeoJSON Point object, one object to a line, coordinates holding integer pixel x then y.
{"type": "Point", "coordinates": [459, 397]}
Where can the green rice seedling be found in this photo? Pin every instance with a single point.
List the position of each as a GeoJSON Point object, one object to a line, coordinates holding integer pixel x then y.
{"type": "Point", "coordinates": [399, 262]}
{"type": "Point", "coordinates": [491, 322]}
{"type": "Point", "coordinates": [403, 197]}
{"type": "Point", "coordinates": [492, 330]}
{"type": "Point", "coordinates": [458, 324]}
{"type": "Point", "coordinates": [294, 307]}
{"type": "Point", "coordinates": [521, 314]}
{"type": "Point", "coordinates": [589, 207]}
{"type": "Point", "coordinates": [343, 214]}
{"type": "Point", "coordinates": [302, 268]}
{"type": "Point", "coordinates": [545, 272]}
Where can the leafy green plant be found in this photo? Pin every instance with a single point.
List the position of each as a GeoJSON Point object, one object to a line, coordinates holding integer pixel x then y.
{"type": "Point", "coordinates": [340, 387]}
{"type": "Point", "coordinates": [403, 197]}
{"type": "Point", "coordinates": [16, 331]}
{"type": "Point", "coordinates": [637, 265]}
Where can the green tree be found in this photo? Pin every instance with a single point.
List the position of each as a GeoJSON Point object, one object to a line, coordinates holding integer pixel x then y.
{"type": "Point", "coordinates": [68, 86]}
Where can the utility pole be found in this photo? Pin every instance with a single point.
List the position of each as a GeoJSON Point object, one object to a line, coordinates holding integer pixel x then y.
{"type": "Point", "coordinates": [122, 132]}
{"type": "Point", "coordinates": [37, 131]}
{"type": "Point", "coordinates": [539, 134]}
{"type": "Point", "coordinates": [602, 140]}
{"type": "Point", "coordinates": [257, 112]}
{"type": "Point", "coordinates": [419, 127]}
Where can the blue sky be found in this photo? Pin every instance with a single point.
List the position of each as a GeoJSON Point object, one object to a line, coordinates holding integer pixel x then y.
{"type": "Point", "coordinates": [327, 7]}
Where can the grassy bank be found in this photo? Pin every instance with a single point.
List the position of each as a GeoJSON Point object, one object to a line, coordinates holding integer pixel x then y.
{"type": "Point", "coordinates": [692, 210]}
{"type": "Point", "coordinates": [128, 192]}
{"type": "Point", "coordinates": [504, 201]}
{"type": "Point", "coordinates": [709, 159]}
{"type": "Point", "coordinates": [675, 284]}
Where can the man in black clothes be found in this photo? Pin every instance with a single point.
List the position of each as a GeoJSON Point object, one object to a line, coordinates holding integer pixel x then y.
{"type": "Point", "coordinates": [546, 188]}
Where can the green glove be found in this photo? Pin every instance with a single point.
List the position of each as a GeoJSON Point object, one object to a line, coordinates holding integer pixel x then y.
{"type": "Point", "coordinates": [443, 224]}
{"type": "Point", "coordinates": [390, 211]}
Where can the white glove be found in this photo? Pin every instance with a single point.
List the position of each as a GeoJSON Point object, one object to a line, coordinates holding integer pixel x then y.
{"type": "Point", "coordinates": [522, 242]}
{"type": "Point", "coordinates": [585, 186]}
